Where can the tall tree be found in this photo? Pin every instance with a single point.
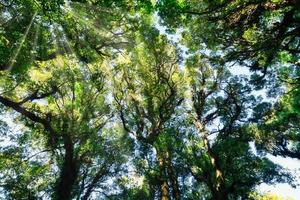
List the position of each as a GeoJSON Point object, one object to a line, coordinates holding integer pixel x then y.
{"type": "Point", "coordinates": [66, 108]}
{"type": "Point", "coordinates": [262, 35]}
{"type": "Point", "coordinates": [220, 103]}
{"type": "Point", "coordinates": [147, 96]}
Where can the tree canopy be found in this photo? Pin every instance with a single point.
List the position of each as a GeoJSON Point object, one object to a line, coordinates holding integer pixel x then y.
{"type": "Point", "coordinates": [145, 100]}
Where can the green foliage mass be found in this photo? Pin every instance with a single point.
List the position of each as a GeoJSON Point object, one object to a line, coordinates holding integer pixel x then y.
{"type": "Point", "coordinates": [138, 99]}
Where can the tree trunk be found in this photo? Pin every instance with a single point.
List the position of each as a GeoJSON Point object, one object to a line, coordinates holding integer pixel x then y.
{"type": "Point", "coordinates": [164, 186]}
{"type": "Point", "coordinates": [175, 188]}
{"type": "Point", "coordinates": [217, 185]}
{"type": "Point", "coordinates": [173, 179]}
{"type": "Point", "coordinates": [219, 195]}
{"type": "Point", "coordinates": [69, 172]}
{"type": "Point", "coordinates": [164, 189]}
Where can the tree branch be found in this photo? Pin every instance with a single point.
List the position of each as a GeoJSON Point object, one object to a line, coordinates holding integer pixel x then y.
{"type": "Point", "coordinates": [30, 115]}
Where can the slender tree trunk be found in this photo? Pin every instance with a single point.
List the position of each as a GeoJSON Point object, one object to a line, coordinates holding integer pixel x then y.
{"type": "Point", "coordinates": [174, 182]}
{"type": "Point", "coordinates": [218, 190]}
{"type": "Point", "coordinates": [219, 195]}
{"type": "Point", "coordinates": [217, 186]}
{"type": "Point", "coordinates": [164, 189]}
{"type": "Point", "coordinates": [164, 186]}
{"type": "Point", "coordinates": [69, 172]}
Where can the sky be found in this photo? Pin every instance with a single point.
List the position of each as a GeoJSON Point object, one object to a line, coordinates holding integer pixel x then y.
{"type": "Point", "coordinates": [284, 190]}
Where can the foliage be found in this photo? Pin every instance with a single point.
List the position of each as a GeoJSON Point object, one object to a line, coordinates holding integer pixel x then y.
{"type": "Point", "coordinates": [97, 101]}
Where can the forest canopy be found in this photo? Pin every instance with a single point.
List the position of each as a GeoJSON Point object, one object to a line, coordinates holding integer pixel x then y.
{"type": "Point", "coordinates": [145, 99]}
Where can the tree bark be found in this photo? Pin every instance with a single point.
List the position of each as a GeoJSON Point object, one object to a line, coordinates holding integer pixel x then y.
{"type": "Point", "coordinates": [217, 183]}
{"type": "Point", "coordinates": [217, 195]}
{"type": "Point", "coordinates": [69, 171]}
{"type": "Point", "coordinates": [173, 180]}
{"type": "Point", "coordinates": [164, 186]}
{"type": "Point", "coordinates": [164, 189]}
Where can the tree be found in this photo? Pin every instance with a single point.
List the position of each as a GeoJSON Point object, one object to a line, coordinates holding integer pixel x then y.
{"type": "Point", "coordinates": [65, 108]}
{"type": "Point", "coordinates": [22, 29]}
{"type": "Point", "coordinates": [147, 96]}
{"type": "Point", "coordinates": [253, 33]}
{"type": "Point", "coordinates": [35, 30]}
{"type": "Point", "coordinates": [278, 131]}
{"type": "Point", "coordinates": [262, 35]}
{"type": "Point", "coordinates": [221, 147]}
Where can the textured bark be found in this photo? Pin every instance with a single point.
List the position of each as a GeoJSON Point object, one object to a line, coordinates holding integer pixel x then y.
{"type": "Point", "coordinates": [164, 189]}
{"type": "Point", "coordinates": [217, 195]}
{"type": "Point", "coordinates": [174, 182]}
{"type": "Point", "coordinates": [217, 182]}
{"type": "Point", "coordinates": [69, 171]}
{"type": "Point", "coordinates": [164, 186]}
